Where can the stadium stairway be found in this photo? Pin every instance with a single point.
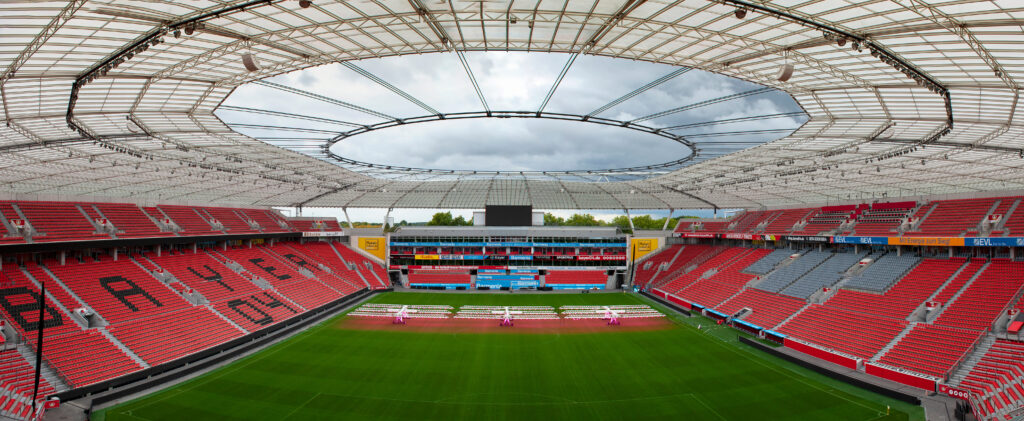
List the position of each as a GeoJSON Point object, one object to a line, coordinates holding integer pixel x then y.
{"type": "Point", "coordinates": [46, 372]}
{"type": "Point", "coordinates": [920, 314]}
{"type": "Point", "coordinates": [124, 348]}
{"type": "Point", "coordinates": [972, 360]}
{"type": "Point", "coordinates": [895, 340]}
{"type": "Point", "coordinates": [350, 266]}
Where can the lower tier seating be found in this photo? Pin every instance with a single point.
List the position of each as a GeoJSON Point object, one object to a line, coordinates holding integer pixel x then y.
{"type": "Point", "coordinates": [768, 309]}
{"type": "Point", "coordinates": [644, 272]}
{"type": "Point", "coordinates": [908, 293]}
{"type": "Point", "coordinates": [997, 379]}
{"type": "Point", "coordinates": [931, 350]}
{"type": "Point", "coordinates": [858, 334]}
{"type": "Point", "coordinates": [170, 336]}
{"type": "Point", "coordinates": [576, 277]}
{"type": "Point", "coordinates": [17, 382]}
{"type": "Point", "coordinates": [85, 358]}
{"type": "Point", "coordinates": [978, 306]}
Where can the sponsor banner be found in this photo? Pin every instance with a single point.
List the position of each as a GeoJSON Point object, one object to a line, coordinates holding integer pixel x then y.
{"type": "Point", "coordinates": [507, 283]}
{"type": "Point", "coordinates": [429, 267]}
{"type": "Point", "coordinates": [770, 237]}
{"type": "Point", "coordinates": [900, 377]}
{"type": "Point", "coordinates": [496, 244]}
{"type": "Point", "coordinates": [748, 325]}
{"type": "Point", "coordinates": [588, 257]}
{"type": "Point", "coordinates": [741, 236]}
{"type": "Point", "coordinates": [641, 247]}
{"type": "Point", "coordinates": [698, 235]}
{"type": "Point", "coordinates": [520, 257]}
{"type": "Point", "coordinates": [576, 286]}
{"type": "Point", "coordinates": [323, 234]}
{"type": "Point", "coordinates": [374, 246]}
{"type": "Point", "coordinates": [491, 271]}
{"type": "Point", "coordinates": [809, 238]}
{"type": "Point", "coordinates": [880, 241]}
{"type": "Point", "coordinates": [505, 277]}
{"type": "Point", "coordinates": [531, 271]}
{"type": "Point", "coordinates": [954, 392]}
{"type": "Point", "coordinates": [428, 257]}
{"type": "Point", "coordinates": [445, 286]}
{"type": "Point", "coordinates": [995, 242]}
{"type": "Point", "coordinates": [565, 257]}
{"type": "Point", "coordinates": [926, 241]}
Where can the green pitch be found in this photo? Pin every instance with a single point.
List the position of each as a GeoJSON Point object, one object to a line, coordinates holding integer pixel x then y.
{"type": "Point", "coordinates": [675, 373]}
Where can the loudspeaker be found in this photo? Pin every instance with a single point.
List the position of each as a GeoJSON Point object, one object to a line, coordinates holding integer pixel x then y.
{"type": "Point", "coordinates": [250, 62]}
{"type": "Point", "coordinates": [785, 72]}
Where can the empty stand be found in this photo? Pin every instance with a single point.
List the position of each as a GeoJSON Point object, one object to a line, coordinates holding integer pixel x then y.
{"type": "Point", "coordinates": [931, 350]}
{"type": "Point", "coordinates": [782, 277]}
{"type": "Point", "coordinates": [206, 275]}
{"type": "Point", "coordinates": [130, 221]}
{"type": "Point", "coordinates": [783, 221]}
{"type": "Point", "coordinates": [883, 272]}
{"type": "Point", "coordinates": [84, 358]}
{"type": "Point", "coordinates": [58, 221]}
{"type": "Point", "coordinates": [169, 336]}
{"type": "Point", "coordinates": [767, 309]}
{"type": "Point", "coordinates": [858, 334]}
{"type": "Point", "coordinates": [998, 377]}
{"type": "Point", "coordinates": [118, 290]}
{"type": "Point", "coordinates": [576, 277]}
{"type": "Point", "coordinates": [767, 263]}
{"type": "Point", "coordinates": [188, 219]}
{"type": "Point", "coordinates": [644, 272]}
{"type": "Point", "coordinates": [904, 297]}
{"type": "Point", "coordinates": [824, 275]}
{"type": "Point", "coordinates": [233, 222]}
{"type": "Point", "coordinates": [978, 306]}
{"type": "Point", "coordinates": [953, 217]}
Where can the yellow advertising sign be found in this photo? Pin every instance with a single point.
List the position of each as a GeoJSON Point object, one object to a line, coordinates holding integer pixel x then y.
{"type": "Point", "coordinates": [428, 257]}
{"type": "Point", "coordinates": [927, 241]}
{"type": "Point", "coordinates": [375, 246]}
{"type": "Point", "coordinates": [640, 247]}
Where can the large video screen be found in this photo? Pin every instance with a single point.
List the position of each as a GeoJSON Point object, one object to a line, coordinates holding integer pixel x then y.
{"type": "Point", "coordinates": [508, 216]}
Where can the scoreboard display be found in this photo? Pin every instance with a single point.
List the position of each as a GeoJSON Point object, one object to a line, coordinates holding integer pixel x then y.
{"type": "Point", "coordinates": [508, 216]}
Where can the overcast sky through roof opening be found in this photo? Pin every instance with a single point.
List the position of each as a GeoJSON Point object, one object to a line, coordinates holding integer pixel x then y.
{"type": "Point", "coordinates": [510, 81]}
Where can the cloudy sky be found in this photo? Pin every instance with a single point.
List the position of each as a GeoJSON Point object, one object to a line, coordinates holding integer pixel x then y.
{"type": "Point", "coordinates": [512, 81]}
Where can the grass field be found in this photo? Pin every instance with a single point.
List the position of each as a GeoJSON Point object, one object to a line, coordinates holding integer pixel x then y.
{"type": "Point", "coordinates": [329, 372]}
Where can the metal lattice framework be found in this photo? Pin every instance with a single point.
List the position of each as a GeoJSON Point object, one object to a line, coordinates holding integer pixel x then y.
{"type": "Point", "coordinates": [116, 99]}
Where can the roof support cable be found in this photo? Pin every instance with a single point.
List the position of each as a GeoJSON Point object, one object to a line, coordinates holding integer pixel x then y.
{"type": "Point", "coordinates": [705, 103]}
{"type": "Point", "coordinates": [472, 79]}
{"type": "Point", "coordinates": [639, 90]}
{"type": "Point", "coordinates": [390, 87]}
{"type": "Point", "coordinates": [558, 81]}
{"type": "Point", "coordinates": [328, 100]}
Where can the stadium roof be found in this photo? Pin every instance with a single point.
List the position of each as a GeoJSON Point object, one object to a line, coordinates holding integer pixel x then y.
{"type": "Point", "coordinates": [905, 97]}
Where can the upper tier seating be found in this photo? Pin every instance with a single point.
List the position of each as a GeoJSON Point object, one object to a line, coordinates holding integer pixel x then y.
{"type": "Point", "coordinates": [644, 272]}
{"type": "Point", "coordinates": [188, 219]}
{"type": "Point", "coordinates": [952, 217]}
{"type": "Point", "coordinates": [978, 306]}
{"type": "Point", "coordinates": [268, 221]}
{"type": "Point", "coordinates": [858, 334]}
{"type": "Point", "coordinates": [1014, 224]}
{"type": "Point", "coordinates": [119, 291]}
{"type": "Point", "coordinates": [931, 350]}
{"type": "Point", "coordinates": [825, 220]}
{"type": "Point", "coordinates": [767, 263]}
{"type": "Point", "coordinates": [904, 297]}
{"type": "Point", "coordinates": [783, 221]}
{"type": "Point", "coordinates": [749, 220]}
{"type": "Point", "coordinates": [703, 226]}
{"type": "Point", "coordinates": [825, 275]}
{"type": "Point", "coordinates": [8, 213]}
{"type": "Point", "coordinates": [883, 272]}
{"type": "Point", "coordinates": [58, 221]}
{"type": "Point", "coordinates": [130, 221]}
{"type": "Point", "coordinates": [576, 277]}
{"type": "Point", "coordinates": [883, 219]}
{"type": "Point", "coordinates": [169, 336]}
{"type": "Point", "coordinates": [782, 277]}
{"type": "Point", "coordinates": [233, 222]}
